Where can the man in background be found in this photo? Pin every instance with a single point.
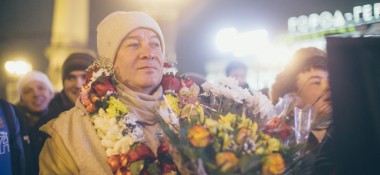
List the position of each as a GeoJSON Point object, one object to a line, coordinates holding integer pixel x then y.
{"type": "Point", "coordinates": [35, 92]}
{"type": "Point", "coordinates": [73, 77]}
{"type": "Point", "coordinates": [238, 71]}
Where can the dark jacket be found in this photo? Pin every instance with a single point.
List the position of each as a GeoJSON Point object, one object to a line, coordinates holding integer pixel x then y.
{"type": "Point", "coordinates": [57, 105]}
{"type": "Point", "coordinates": [12, 117]}
{"type": "Point", "coordinates": [318, 157]}
{"type": "Point", "coordinates": [36, 138]}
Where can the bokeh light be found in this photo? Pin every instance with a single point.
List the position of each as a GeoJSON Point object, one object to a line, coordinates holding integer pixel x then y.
{"type": "Point", "coordinates": [241, 44]}
{"type": "Point", "coordinates": [17, 68]}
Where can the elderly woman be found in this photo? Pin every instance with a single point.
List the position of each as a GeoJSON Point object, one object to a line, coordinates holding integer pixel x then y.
{"type": "Point", "coordinates": [133, 43]}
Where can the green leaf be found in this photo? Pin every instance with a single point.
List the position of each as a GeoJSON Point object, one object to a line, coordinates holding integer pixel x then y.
{"type": "Point", "coordinates": [250, 163]}
{"type": "Point", "coordinates": [136, 167]}
{"type": "Point", "coordinates": [170, 133]}
{"type": "Point", "coordinates": [153, 169]}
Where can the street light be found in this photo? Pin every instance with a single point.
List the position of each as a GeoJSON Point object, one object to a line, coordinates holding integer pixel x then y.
{"type": "Point", "coordinates": [242, 44]}
{"type": "Point", "coordinates": [17, 68]}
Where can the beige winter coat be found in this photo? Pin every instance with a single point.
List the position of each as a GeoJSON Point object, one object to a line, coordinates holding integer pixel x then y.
{"type": "Point", "coordinates": [73, 146]}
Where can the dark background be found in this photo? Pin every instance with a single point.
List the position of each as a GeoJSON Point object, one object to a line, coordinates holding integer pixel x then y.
{"type": "Point", "coordinates": [25, 25]}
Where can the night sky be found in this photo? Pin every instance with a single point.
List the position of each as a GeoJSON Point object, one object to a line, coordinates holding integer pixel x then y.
{"type": "Point", "coordinates": [25, 25]}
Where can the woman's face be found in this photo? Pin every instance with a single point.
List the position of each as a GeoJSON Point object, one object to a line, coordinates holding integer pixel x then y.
{"type": "Point", "coordinates": [314, 89]}
{"type": "Point", "coordinates": [139, 61]}
{"type": "Point", "coordinates": [36, 96]}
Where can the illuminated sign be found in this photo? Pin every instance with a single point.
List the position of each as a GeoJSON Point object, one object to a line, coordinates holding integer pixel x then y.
{"type": "Point", "coordinates": [324, 21]}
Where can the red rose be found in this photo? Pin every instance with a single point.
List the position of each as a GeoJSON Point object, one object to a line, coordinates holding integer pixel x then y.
{"type": "Point", "coordinates": [171, 82]}
{"type": "Point", "coordinates": [188, 82]}
{"type": "Point", "coordinates": [272, 123]}
{"type": "Point", "coordinates": [278, 127]}
{"type": "Point", "coordinates": [167, 65]}
{"type": "Point", "coordinates": [163, 148]}
{"type": "Point", "coordinates": [167, 167]}
{"type": "Point", "coordinates": [141, 152]}
{"type": "Point", "coordinates": [102, 87]}
{"type": "Point", "coordinates": [89, 74]}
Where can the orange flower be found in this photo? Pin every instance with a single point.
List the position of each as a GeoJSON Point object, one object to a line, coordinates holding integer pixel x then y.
{"type": "Point", "coordinates": [273, 164]}
{"type": "Point", "coordinates": [86, 101]}
{"type": "Point", "coordinates": [227, 161]}
{"type": "Point", "coordinates": [199, 136]}
{"type": "Point", "coordinates": [243, 134]}
{"type": "Point", "coordinates": [114, 162]}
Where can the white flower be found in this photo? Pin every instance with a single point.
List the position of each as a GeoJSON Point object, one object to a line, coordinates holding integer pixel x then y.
{"type": "Point", "coordinates": [229, 82]}
{"type": "Point", "coordinates": [137, 132]}
{"type": "Point", "coordinates": [168, 116]}
{"type": "Point", "coordinates": [169, 70]}
{"type": "Point", "coordinates": [206, 87]}
{"type": "Point", "coordinates": [103, 124]}
{"type": "Point", "coordinates": [260, 104]}
{"type": "Point", "coordinates": [110, 152]}
{"type": "Point", "coordinates": [97, 74]}
{"type": "Point", "coordinates": [114, 133]}
{"type": "Point", "coordinates": [123, 145]}
{"type": "Point", "coordinates": [108, 143]}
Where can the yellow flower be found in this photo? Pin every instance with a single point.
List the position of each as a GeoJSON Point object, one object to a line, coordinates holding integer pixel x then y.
{"type": "Point", "coordinates": [199, 136]}
{"type": "Point", "coordinates": [273, 164]}
{"type": "Point", "coordinates": [173, 104]}
{"type": "Point", "coordinates": [229, 119]}
{"type": "Point", "coordinates": [212, 125]}
{"type": "Point", "coordinates": [227, 161]}
{"type": "Point", "coordinates": [227, 122]}
{"type": "Point", "coordinates": [115, 107]}
{"type": "Point", "coordinates": [265, 136]}
{"type": "Point", "coordinates": [260, 150]}
{"type": "Point", "coordinates": [226, 140]}
{"type": "Point", "coordinates": [273, 145]}
{"type": "Point", "coordinates": [192, 110]}
{"type": "Point", "coordinates": [245, 122]}
{"type": "Point", "coordinates": [254, 127]}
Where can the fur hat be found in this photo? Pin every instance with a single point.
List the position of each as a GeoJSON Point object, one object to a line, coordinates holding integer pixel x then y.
{"type": "Point", "coordinates": [34, 76]}
{"type": "Point", "coordinates": [76, 61]}
{"type": "Point", "coordinates": [117, 25]}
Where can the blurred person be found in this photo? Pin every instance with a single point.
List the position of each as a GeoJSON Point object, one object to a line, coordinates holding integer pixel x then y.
{"type": "Point", "coordinates": [305, 78]}
{"type": "Point", "coordinates": [12, 156]}
{"type": "Point", "coordinates": [265, 91]}
{"type": "Point", "coordinates": [132, 43]}
{"type": "Point", "coordinates": [35, 92]}
{"type": "Point", "coordinates": [197, 78]}
{"type": "Point", "coordinates": [238, 71]}
{"type": "Point", "coordinates": [73, 77]}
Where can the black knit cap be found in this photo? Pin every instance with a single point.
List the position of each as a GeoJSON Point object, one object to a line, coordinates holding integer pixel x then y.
{"type": "Point", "coordinates": [76, 61]}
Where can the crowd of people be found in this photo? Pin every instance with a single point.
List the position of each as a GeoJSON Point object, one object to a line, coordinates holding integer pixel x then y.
{"type": "Point", "coordinates": [51, 133]}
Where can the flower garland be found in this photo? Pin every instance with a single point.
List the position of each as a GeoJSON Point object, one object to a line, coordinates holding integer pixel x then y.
{"type": "Point", "coordinates": [120, 132]}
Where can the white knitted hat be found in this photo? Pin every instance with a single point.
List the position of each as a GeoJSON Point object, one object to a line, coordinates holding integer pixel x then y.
{"type": "Point", "coordinates": [31, 76]}
{"type": "Point", "coordinates": [117, 25]}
